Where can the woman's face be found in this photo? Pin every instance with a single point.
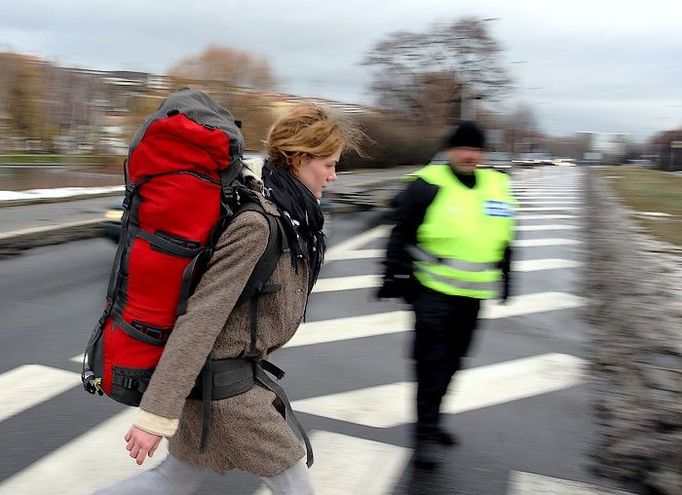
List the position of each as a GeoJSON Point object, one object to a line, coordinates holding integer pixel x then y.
{"type": "Point", "coordinates": [317, 173]}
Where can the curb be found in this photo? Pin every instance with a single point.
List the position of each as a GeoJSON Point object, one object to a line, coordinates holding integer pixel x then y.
{"type": "Point", "coordinates": [25, 202]}
{"type": "Point", "coordinates": [18, 240]}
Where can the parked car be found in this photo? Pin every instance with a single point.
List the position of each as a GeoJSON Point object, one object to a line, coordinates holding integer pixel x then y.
{"type": "Point", "coordinates": [112, 222]}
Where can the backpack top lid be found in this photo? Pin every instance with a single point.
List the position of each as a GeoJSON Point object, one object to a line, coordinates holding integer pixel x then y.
{"type": "Point", "coordinates": [203, 110]}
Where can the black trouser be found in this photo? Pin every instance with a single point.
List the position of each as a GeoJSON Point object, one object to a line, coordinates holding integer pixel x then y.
{"type": "Point", "coordinates": [443, 331]}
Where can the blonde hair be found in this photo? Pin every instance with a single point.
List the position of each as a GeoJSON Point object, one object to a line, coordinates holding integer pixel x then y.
{"type": "Point", "coordinates": [310, 131]}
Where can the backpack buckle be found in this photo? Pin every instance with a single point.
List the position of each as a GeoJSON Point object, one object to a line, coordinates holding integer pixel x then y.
{"type": "Point", "coordinates": [129, 383]}
{"type": "Point", "coordinates": [91, 383]}
{"type": "Point", "coordinates": [130, 190]}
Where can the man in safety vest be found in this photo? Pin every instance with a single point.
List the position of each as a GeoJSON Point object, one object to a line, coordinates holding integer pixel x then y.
{"type": "Point", "coordinates": [449, 249]}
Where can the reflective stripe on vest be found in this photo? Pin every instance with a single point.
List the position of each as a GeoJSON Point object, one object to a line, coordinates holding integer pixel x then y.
{"type": "Point", "coordinates": [419, 254]}
{"type": "Point", "coordinates": [468, 285]}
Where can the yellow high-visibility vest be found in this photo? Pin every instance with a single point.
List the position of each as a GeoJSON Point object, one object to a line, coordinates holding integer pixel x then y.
{"type": "Point", "coordinates": [464, 233]}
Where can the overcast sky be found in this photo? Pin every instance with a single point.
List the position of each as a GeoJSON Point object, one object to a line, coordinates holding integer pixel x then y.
{"type": "Point", "coordinates": [602, 65]}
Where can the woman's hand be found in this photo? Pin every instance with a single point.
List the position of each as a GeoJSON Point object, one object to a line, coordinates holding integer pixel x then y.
{"type": "Point", "coordinates": [141, 444]}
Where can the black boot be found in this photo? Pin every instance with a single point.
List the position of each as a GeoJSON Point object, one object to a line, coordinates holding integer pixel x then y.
{"type": "Point", "coordinates": [427, 454]}
{"type": "Point", "coordinates": [445, 438]}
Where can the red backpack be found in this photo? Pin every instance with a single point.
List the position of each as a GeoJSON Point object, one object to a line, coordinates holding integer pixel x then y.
{"type": "Point", "coordinates": [181, 191]}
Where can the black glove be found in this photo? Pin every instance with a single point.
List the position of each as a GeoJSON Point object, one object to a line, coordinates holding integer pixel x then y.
{"type": "Point", "coordinates": [397, 287]}
{"type": "Point", "coordinates": [391, 289]}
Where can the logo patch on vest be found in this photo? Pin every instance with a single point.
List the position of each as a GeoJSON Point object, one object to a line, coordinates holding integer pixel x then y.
{"type": "Point", "coordinates": [498, 208]}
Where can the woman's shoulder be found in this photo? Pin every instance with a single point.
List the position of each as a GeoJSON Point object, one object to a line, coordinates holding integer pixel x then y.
{"type": "Point", "coordinates": [250, 221]}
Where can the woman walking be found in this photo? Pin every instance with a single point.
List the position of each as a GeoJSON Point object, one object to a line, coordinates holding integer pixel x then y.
{"type": "Point", "coordinates": [245, 431]}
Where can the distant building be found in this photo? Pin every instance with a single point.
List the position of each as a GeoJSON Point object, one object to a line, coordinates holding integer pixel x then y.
{"type": "Point", "coordinates": [667, 150]}
{"type": "Point", "coordinates": [604, 146]}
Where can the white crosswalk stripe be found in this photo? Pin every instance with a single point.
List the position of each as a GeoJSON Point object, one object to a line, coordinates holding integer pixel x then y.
{"type": "Point", "coordinates": [335, 284]}
{"type": "Point", "coordinates": [31, 384]}
{"type": "Point", "coordinates": [551, 216]}
{"type": "Point", "coordinates": [546, 208]}
{"type": "Point", "coordinates": [353, 327]}
{"type": "Point", "coordinates": [521, 483]}
{"type": "Point", "coordinates": [373, 468]}
{"type": "Point", "coordinates": [550, 241]}
{"type": "Point", "coordinates": [386, 406]}
{"type": "Point", "coordinates": [347, 283]}
{"type": "Point", "coordinates": [356, 254]}
{"type": "Point", "coordinates": [359, 254]}
{"type": "Point", "coordinates": [545, 191]}
{"type": "Point", "coordinates": [351, 251]}
{"type": "Point", "coordinates": [543, 264]}
{"type": "Point", "coordinates": [548, 195]}
{"type": "Point", "coordinates": [358, 241]}
{"type": "Point", "coordinates": [67, 469]}
{"type": "Point", "coordinates": [536, 228]}
{"type": "Point", "coordinates": [548, 202]}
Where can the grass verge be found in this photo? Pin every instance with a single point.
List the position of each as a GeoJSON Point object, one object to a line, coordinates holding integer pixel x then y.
{"type": "Point", "coordinates": [653, 191]}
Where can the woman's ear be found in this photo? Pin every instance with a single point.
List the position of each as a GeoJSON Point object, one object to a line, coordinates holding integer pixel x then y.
{"type": "Point", "coordinates": [298, 160]}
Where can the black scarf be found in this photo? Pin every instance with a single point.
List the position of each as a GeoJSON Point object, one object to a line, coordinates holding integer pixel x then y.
{"type": "Point", "coordinates": [302, 218]}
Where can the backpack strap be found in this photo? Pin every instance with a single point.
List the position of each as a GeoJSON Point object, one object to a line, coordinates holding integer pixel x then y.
{"type": "Point", "coordinates": [262, 377]}
{"type": "Point", "coordinates": [256, 285]}
{"type": "Point", "coordinates": [258, 282]}
{"type": "Point", "coordinates": [225, 378]}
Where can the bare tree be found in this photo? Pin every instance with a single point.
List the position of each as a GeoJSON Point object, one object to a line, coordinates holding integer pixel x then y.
{"type": "Point", "coordinates": [433, 72]}
{"type": "Point", "coordinates": [524, 119]}
{"type": "Point", "coordinates": [225, 64]}
{"type": "Point", "coordinates": [25, 95]}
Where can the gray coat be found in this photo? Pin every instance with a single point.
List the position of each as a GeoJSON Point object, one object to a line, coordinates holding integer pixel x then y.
{"type": "Point", "coordinates": [246, 432]}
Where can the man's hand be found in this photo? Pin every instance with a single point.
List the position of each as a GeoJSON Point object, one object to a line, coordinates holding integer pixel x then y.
{"type": "Point", "coordinates": [401, 286]}
{"type": "Point", "coordinates": [141, 444]}
{"type": "Point", "coordinates": [396, 287]}
{"type": "Point", "coordinates": [391, 289]}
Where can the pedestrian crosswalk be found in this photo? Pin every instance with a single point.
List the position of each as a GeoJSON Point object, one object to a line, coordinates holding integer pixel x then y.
{"type": "Point", "coordinates": [386, 406]}
{"type": "Point", "coordinates": [353, 327]}
{"type": "Point", "coordinates": [347, 464]}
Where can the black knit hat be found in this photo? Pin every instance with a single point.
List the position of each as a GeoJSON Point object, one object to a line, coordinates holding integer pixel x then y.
{"type": "Point", "coordinates": [467, 134]}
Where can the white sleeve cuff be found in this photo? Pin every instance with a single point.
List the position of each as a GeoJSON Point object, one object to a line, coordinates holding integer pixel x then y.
{"type": "Point", "coordinates": [156, 425]}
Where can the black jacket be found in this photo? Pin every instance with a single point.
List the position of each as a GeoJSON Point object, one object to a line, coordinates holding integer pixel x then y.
{"type": "Point", "coordinates": [409, 209]}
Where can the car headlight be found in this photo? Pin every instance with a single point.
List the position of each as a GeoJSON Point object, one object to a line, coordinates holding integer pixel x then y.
{"type": "Point", "coordinates": [113, 215]}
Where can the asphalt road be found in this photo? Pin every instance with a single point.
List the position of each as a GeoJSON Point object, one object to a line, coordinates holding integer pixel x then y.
{"type": "Point", "coordinates": [521, 409]}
